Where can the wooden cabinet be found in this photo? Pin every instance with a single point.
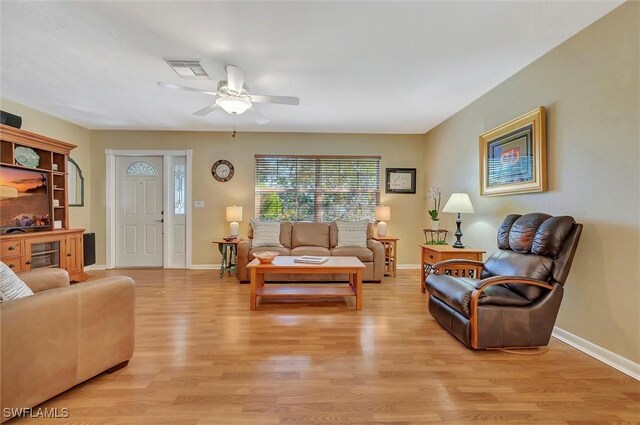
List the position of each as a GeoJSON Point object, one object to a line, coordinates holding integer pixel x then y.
{"type": "Point", "coordinates": [431, 254]}
{"type": "Point", "coordinates": [74, 259]}
{"type": "Point", "coordinates": [56, 249]}
{"type": "Point", "coordinates": [12, 254]}
{"type": "Point", "coordinates": [54, 244]}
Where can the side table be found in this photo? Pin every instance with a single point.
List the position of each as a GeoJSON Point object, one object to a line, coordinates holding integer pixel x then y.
{"type": "Point", "coordinates": [431, 254]}
{"type": "Point", "coordinates": [390, 244]}
{"type": "Point", "coordinates": [229, 251]}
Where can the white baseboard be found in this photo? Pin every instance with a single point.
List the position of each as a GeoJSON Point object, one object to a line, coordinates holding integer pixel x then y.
{"type": "Point", "coordinates": [95, 267]}
{"type": "Point", "coordinates": [610, 358]}
{"type": "Point", "coordinates": [217, 266]}
{"type": "Point", "coordinates": [205, 266]}
{"type": "Point", "coordinates": [408, 266]}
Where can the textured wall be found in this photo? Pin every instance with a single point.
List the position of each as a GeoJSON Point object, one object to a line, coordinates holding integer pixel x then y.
{"type": "Point", "coordinates": [408, 214]}
{"type": "Point", "coordinates": [589, 85]}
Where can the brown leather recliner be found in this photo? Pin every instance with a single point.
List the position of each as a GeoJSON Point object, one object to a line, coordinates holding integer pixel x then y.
{"type": "Point", "coordinates": [515, 302]}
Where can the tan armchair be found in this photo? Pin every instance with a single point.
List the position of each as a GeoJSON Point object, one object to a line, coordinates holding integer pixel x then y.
{"type": "Point", "coordinates": [515, 301]}
{"type": "Point", "coordinates": [63, 335]}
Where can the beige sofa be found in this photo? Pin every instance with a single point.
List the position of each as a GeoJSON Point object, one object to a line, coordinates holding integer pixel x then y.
{"type": "Point", "coordinates": [303, 238]}
{"type": "Point", "coordinates": [62, 335]}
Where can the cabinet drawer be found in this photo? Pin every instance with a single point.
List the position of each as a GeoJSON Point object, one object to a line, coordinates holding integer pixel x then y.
{"type": "Point", "coordinates": [11, 248]}
{"type": "Point", "coordinates": [432, 257]}
{"type": "Point", "coordinates": [15, 263]}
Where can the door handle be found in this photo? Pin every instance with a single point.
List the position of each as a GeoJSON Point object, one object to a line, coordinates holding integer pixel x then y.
{"type": "Point", "coordinates": [160, 221]}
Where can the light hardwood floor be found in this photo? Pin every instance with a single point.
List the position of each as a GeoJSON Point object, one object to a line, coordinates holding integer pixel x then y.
{"type": "Point", "coordinates": [202, 357]}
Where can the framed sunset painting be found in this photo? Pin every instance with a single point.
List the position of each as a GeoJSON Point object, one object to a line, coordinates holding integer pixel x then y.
{"type": "Point", "coordinates": [513, 156]}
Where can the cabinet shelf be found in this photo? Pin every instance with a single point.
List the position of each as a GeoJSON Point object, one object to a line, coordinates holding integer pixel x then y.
{"type": "Point", "coordinates": [41, 253]}
{"type": "Point", "coordinates": [43, 170]}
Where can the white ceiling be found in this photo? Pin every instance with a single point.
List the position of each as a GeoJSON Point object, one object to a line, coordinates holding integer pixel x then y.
{"type": "Point", "coordinates": [380, 67]}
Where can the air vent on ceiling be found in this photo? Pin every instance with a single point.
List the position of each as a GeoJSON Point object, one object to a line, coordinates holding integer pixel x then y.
{"type": "Point", "coordinates": [189, 69]}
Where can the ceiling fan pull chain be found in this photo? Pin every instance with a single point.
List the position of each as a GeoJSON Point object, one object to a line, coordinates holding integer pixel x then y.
{"type": "Point", "coordinates": [233, 134]}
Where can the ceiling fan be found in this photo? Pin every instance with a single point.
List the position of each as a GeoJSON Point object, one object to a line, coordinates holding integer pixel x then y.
{"type": "Point", "coordinates": [232, 96]}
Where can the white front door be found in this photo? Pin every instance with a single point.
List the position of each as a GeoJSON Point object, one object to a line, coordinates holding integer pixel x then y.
{"type": "Point", "coordinates": [139, 215]}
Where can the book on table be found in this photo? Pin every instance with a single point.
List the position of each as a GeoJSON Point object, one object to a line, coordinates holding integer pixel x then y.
{"type": "Point", "coordinates": [311, 259]}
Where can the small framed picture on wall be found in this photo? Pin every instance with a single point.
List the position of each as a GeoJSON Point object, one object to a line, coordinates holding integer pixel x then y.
{"type": "Point", "coordinates": [401, 180]}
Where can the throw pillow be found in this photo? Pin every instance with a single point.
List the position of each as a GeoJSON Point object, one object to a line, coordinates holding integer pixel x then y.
{"type": "Point", "coordinates": [11, 286]}
{"type": "Point", "coordinates": [266, 233]}
{"type": "Point", "coordinates": [352, 233]}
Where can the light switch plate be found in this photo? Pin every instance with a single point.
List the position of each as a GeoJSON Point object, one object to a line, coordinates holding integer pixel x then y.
{"type": "Point", "coordinates": [198, 204]}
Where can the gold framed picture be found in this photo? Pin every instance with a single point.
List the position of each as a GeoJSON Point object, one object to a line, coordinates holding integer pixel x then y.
{"type": "Point", "coordinates": [513, 156]}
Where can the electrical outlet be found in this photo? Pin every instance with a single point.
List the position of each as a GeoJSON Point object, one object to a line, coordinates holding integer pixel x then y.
{"type": "Point", "coordinates": [198, 204]}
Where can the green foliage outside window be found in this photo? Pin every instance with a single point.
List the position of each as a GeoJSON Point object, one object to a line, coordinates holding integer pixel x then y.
{"type": "Point", "coordinates": [317, 188]}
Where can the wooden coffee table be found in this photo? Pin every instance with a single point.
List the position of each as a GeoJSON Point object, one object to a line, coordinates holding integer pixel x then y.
{"type": "Point", "coordinates": [285, 265]}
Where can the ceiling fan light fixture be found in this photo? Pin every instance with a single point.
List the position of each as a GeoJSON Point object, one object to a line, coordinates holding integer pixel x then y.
{"type": "Point", "coordinates": [235, 105]}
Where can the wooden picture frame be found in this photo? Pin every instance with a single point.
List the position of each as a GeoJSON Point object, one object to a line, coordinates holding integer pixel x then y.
{"type": "Point", "coordinates": [513, 156]}
{"type": "Point", "coordinates": [400, 180]}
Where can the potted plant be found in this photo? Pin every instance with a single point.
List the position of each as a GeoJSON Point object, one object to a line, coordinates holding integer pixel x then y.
{"type": "Point", "coordinates": [434, 193]}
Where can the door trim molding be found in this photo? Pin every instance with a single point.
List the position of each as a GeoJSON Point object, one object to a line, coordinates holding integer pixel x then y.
{"type": "Point", "coordinates": [110, 239]}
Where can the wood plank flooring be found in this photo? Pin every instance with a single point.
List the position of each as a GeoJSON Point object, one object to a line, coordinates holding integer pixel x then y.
{"type": "Point", "coordinates": [203, 358]}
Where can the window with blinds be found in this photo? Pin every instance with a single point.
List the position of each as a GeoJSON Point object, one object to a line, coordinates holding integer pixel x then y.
{"type": "Point", "coordinates": [317, 188]}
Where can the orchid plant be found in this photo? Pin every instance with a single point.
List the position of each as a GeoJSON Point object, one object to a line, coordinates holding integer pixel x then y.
{"type": "Point", "coordinates": [434, 193]}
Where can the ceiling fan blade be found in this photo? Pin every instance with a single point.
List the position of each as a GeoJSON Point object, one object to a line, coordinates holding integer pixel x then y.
{"type": "Point", "coordinates": [185, 88]}
{"type": "Point", "coordinates": [283, 100]}
{"type": "Point", "coordinates": [207, 110]}
{"type": "Point", "coordinates": [257, 116]}
{"type": "Point", "coordinates": [235, 78]}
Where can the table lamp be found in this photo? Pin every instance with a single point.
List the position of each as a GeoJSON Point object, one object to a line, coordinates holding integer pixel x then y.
{"type": "Point", "coordinates": [459, 203]}
{"type": "Point", "coordinates": [382, 213]}
{"type": "Point", "coordinates": [234, 215]}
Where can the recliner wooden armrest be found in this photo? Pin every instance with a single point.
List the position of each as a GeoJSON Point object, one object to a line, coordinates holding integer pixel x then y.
{"type": "Point", "coordinates": [483, 284]}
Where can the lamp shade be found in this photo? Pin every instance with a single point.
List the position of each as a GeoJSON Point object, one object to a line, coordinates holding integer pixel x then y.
{"type": "Point", "coordinates": [234, 213]}
{"type": "Point", "coordinates": [383, 213]}
{"type": "Point", "coordinates": [459, 203]}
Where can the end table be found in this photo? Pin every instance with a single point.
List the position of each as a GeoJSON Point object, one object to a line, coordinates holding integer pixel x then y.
{"type": "Point", "coordinates": [431, 254]}
{"type": "Point", "coordinates": [229, 251]}
{"type": "Point", "coordinates": [390, 244]}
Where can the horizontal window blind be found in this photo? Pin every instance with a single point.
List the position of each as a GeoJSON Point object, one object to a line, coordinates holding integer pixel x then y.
{"type": "Point", "coordinates": [317, 188]}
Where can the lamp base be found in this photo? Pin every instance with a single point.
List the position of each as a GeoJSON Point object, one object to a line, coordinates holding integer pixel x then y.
{"type": "Point", "coordinates": [458, 234]}
{"type": "Point", "coordinates": [234, 229]}
{"type": "Point", "coordinates": [382, 228]}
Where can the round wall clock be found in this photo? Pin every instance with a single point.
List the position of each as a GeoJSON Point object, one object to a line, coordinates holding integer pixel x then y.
{"type": "Point", "coordinates": [222, 170]}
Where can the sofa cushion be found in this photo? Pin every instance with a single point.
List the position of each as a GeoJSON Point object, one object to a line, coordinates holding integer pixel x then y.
{"type": "Point", "coordinates": [11, 286]}
{"type": "Point", "coordinates": [333, 233]}
{"type": "Point", "coordinates": [285, 233]}
{"type": "Point", "coordinates": [352, 233]}
{"type": "Point", "coordinates": [310, 234]}
{"type": "Point", "coordinates": [320, 251]}
{"type": "Point", "coordinates": [279, 249]}
{"type": "Point", "coordinates": [456, 292]}
{"type": "Point", "coordinates": [363, 254]}
{"type": "Point", "coordinates": [266, 233]}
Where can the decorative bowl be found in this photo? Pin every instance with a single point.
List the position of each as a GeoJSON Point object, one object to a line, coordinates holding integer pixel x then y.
{"type": "Point", "coordinates": [266, 257]}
